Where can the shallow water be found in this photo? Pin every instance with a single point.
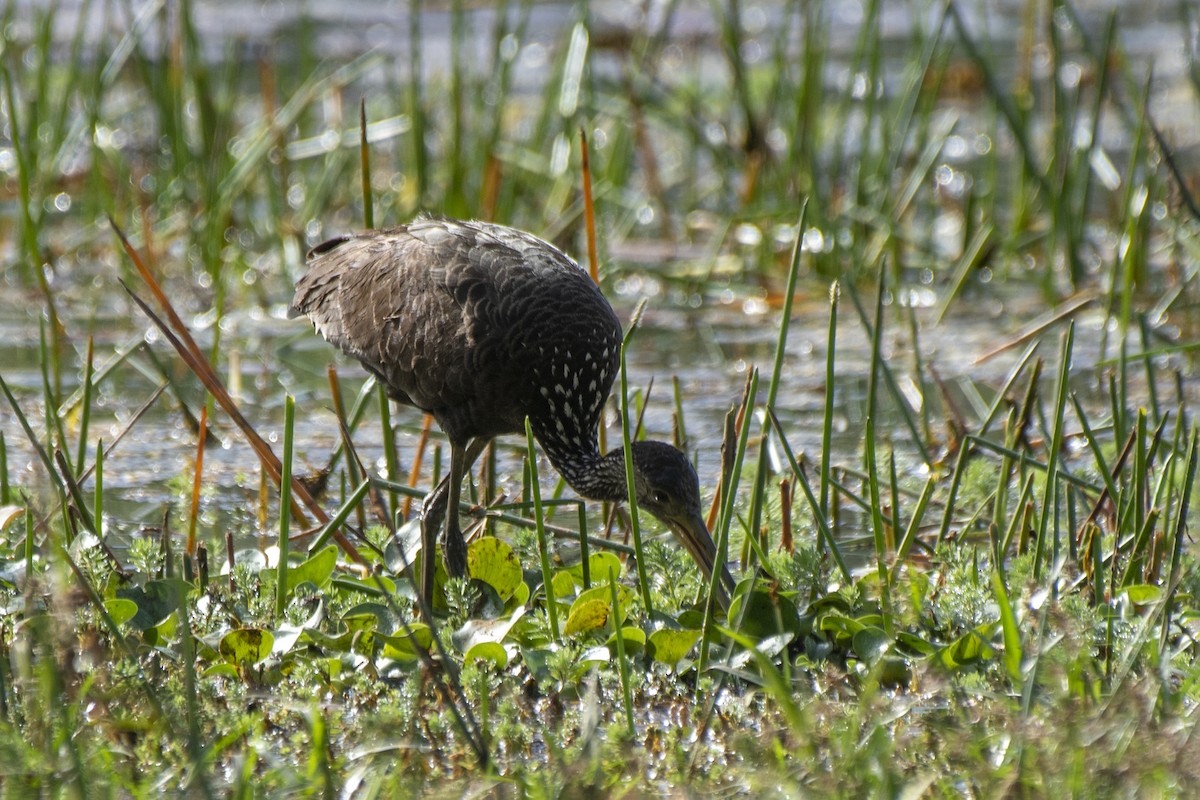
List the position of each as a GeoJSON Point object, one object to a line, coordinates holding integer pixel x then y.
{"type": "Point", "coordinates": [708, 339]}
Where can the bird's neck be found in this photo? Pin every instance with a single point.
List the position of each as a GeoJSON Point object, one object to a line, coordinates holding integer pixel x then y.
{"type": "Point", "coordinates": [590, 474]}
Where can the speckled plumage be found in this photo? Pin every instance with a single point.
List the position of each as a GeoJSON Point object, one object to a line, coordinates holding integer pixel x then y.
{"type": "Point", "coordinates": [482, 325]}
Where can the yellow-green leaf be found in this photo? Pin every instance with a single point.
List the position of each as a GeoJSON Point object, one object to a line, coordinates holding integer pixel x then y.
{"type": "Point", "coordinates": [318, 569]}
{"type": "Point", "coordinates": [635, 640]}
{"type": "Point", "coordinates": [493, 561]}
{"type": "Point", "coordinates": [405, 646]}
{"type": "Point", "coordinates": [563, 584]}
{"type": "Point", "coordinates": [1142, 593]}
{"type": "Point", "coordinates": [599, 565]}
{"type": "Point", "coordinates": [121, 609]}
{"type": "Point", "coordinates": [587, 615]}
{"type": "Point", "coordinates": [670, 646]}
{"type": "Point", "coordinates": [487, 651]}
{"type": "Point", "coordinates": [246, 645]}
{"type": "Point", "coordinates": [604, 594]}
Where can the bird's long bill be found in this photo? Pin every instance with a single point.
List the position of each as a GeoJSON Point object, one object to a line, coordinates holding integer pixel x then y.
{"type": "Point", "coordinates": [693, 534]}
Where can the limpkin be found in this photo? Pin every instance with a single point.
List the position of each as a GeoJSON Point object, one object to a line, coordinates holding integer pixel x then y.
{"type": "Point", "coordinates": [483, 325]}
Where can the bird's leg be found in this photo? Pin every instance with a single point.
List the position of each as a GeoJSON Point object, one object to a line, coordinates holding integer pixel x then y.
{"type": "Point", "coordinates": [453, 545]}
{"type": "Point", "coordinates": [433, 513]}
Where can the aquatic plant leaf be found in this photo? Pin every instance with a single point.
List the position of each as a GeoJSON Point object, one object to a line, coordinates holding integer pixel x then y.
{"type": "Point", "coordinates": [376, 616]}
{"type": "Point", "coordinates": [841, 626]}
{"type": "Point", "coordinates": [600, 565]}
{"type": "Point", "coordinates": [587, 615]}
{"type": "Point", "coordinates": [871, 643]}
{"type": "Point", "coordinates": [591, 609]}
{"type": "Point", "coordinates": [221, 669]}
{"type": "Point", "coordinates": [970, 648]}
{"type": "Point", "coordinates": [520, 597]}
{"type": "Point", "coordinates": [121, 609]}
{"type": "Point", "coordinates": [563, 584]}
{"type": "Point", "coordinates": [484, 630]}
{"type": "Point", "coordinates": [670, 646]}
{"type": "Point", "coordinates": [915, 643]}
{"type": "Point", "coordinates": [766, 614]}
{"type": "Point", "coordinates": [1142, 593]}
{"type": "Point", "coordinates": [593, 655]}
{"type": "Point", "coordinates": [404, 646]}
{"type": "Point", "coordinates": [286, 637]}
{"type": "Point", "coordinates": [493, 561]}
{"type": "Point", "coordinates": [370, 586]}
{"type": "Point", "coordinates": [634, 638]}
{"type": "Point", "coordinates": [246, 646]}
{"type": "Point", "coordinates": [1008, 625]}
{"type": "Point", "coordinates": [317, 570]}
{"type": "Point", "coordinates": [156, 600]}
{"type": "Point", "coordinates": [487, 651]}
{"type": "Point", "coordinates": [404, 545]}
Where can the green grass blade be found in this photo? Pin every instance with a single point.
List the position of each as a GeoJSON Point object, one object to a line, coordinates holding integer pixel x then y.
{"type": "Point", "coordinates": [543, 548]}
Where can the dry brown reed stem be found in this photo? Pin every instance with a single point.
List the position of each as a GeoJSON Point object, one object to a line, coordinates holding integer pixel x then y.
{"type": "Point", "coordinates": [190, 544]}
{"type": "Point", "coordinates": [733, 429]}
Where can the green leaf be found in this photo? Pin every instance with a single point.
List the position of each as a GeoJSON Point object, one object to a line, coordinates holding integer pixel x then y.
{"type": "Point", "coordinates": [155, 601]}
{"type": "Point", "coordinates": [970, 648]}
{"type": "Point", "coordinates": [520, 597]}
{"type": "Point", "coordinates": [766, 614]}
{"type": "Point", "coordinates": [336, 643]}
{"type": "Point", "coordinates": [121, 609]}
{"type": "Point", "coordinates": [363, 626]}
{"type": "Point", "coordinates": [317, 570]}
{"type": "Point", "coordinates": [1008, 625]}
{"type": "Point", "coordinates": [915, 643]}
{"type": "Point", "coordinates": [563, 584]}
{"type": "Point", "coordinates": [221, 669]}
{"type": "Point", "coordinates": [246, 646]}
{"type": "Point", "coordinates": [405, 646]}
{"type": "Point", "coordinates": [871, 643]}
{"type": "Point", "coordinates": [493, 561]}
{"type": "Point", "coordinates": [367, 586]}
{"type": "Point", "coordinates": [600, 565]}
{"type": "Point", "coordinates": [670, 646]}
{"type": "Point", "coordinates": [369, 615]}
{"type": "Point", "coordinates": [840, 626]}
{"type": "Point", "coordinates": [592, 608]}
{"type": "Point", "coordinates": [1142, 593]}
{"type": "Point", "coordinates": [487, 651]}
{"type": "Point", "coordinates": [635, 640]}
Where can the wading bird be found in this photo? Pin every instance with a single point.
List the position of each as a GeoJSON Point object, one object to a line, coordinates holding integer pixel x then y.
{"type": "Point", "coordinates": [481, 326]}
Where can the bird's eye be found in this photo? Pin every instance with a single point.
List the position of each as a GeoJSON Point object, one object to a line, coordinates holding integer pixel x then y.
{"type": "Point", "coordinates": [661, 497]}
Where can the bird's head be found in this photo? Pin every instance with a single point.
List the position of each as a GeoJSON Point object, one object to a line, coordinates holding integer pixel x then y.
{"type": "Point", "coordinates": [667, 487]}
{"type": "Point", "coordinates": [666, 484]}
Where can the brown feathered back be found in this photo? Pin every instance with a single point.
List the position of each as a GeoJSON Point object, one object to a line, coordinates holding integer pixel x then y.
{"type": "Point", "coordinates": [476, 323]}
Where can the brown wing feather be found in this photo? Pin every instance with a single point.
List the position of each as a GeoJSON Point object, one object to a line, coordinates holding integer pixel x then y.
{"type": "Point", "coordinates": [464, 320]}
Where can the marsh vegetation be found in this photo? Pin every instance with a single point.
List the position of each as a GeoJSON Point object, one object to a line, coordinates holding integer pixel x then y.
{"type": "Point", "coordinates": [919, 287]}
